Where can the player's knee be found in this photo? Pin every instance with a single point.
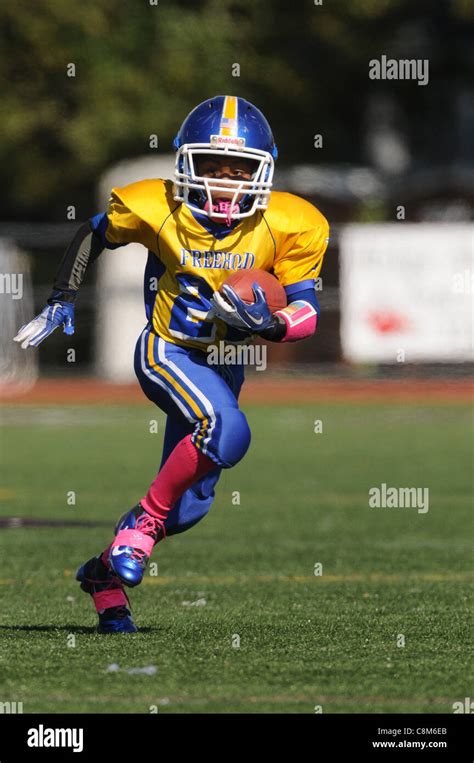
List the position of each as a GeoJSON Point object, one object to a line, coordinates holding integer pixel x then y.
{"type": "Point", "coordinates": [232, 437]}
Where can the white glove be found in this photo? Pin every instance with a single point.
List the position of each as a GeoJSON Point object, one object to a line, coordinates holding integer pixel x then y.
{"type": "Point", "coordinates": [52, 316]}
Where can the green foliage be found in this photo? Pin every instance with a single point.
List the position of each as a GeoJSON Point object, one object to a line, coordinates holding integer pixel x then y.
{"type": "Point", "coordinates": [140, 68]}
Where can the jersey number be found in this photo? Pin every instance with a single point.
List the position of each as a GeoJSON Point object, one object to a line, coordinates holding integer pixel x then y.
{"type": "Point", "coordinates": [190, 310]}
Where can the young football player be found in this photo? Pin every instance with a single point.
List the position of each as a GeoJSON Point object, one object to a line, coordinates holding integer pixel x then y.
{"type": "Point", "coordinates": [219, 215]}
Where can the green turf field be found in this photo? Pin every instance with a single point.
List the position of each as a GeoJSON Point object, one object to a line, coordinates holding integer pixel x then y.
{"type": "Point", "coordinates": [246, 570]}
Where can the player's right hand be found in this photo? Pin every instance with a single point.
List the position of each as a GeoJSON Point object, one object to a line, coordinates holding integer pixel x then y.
{"type": "Point", "coordinates": [52, 316]}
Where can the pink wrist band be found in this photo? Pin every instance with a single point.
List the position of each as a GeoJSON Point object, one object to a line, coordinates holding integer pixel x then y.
{"type": "Point", "coordinates": [301, 319]}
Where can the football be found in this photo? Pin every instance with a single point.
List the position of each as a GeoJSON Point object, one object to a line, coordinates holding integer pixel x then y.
{"type": "Point", "coordinates": [242, 282]}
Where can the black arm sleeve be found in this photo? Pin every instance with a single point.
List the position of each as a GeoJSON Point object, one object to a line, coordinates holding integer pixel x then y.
{"type": "Point", "coordinates": [275, 331]}
{"type": "Point", "coordinates": [85, 247]}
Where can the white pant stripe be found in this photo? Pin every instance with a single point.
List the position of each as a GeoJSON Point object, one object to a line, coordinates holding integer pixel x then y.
{"type": "Point", "coordinates": [204, 400]}
{"type": "Point", "coordinates": [160, 382]}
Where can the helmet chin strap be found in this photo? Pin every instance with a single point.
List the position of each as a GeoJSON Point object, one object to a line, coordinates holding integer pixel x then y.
{"type": "Point", "coordinates": [223, 206]}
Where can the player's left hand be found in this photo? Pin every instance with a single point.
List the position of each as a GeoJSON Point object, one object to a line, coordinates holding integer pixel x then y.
{"type": "Point", "coordinates": [234, 311]}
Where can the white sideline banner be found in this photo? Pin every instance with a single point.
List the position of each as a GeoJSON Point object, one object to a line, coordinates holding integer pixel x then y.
{"type": "Point", "coordinates": [406, 292]}
{"type": "Point", "coordinates": [18, 369]}
{"type": "Point", "coordinates": [121, 309]}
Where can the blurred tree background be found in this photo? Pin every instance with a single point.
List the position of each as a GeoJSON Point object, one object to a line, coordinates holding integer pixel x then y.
{"type": "Point", "coordinates": [140, 67]}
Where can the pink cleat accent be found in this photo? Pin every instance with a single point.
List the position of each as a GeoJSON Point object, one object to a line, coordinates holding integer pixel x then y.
{"type": "Point", "coordinates": [141, 543]}
{"type": "Point", "coordinates": [137, 533]}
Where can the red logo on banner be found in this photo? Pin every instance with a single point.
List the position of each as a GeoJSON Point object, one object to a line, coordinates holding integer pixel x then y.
{"type": "Point", "coordinates": [385, 322]}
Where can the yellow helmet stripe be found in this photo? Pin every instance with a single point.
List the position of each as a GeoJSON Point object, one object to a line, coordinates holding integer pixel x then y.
{"type": "Point", "coordinates": [228, 125]}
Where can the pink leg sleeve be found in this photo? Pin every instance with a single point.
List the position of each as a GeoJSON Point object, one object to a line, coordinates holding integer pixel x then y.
{"type": "Point", "coordinates": [184, 466]}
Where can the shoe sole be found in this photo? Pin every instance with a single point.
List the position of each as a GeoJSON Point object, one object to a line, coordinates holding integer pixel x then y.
{"type": "Point", "coordinates": [113, 633]}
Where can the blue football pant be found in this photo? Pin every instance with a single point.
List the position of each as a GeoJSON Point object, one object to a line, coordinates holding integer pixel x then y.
{"type": "Point", "coordinates": [201, 400]}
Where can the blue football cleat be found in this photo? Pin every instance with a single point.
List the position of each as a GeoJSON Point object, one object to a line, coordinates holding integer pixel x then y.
{"type": "Point", "coordinates": [116, 620]}
{"type": "Point", "coordinates": [109, 597]}
{"type": "Point", "coordinates": [136, 534]}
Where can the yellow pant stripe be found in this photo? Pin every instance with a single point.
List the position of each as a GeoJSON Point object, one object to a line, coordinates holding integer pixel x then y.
{"type": "Point", "coordinates": [176, 385]}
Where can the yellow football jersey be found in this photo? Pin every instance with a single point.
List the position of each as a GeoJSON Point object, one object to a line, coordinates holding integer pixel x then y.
{"type": "Point", "coordinates": [186, 263]}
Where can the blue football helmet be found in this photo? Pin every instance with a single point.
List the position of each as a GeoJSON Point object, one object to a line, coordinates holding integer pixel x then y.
{"type": "Point", "coordinates": [224, 125]}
